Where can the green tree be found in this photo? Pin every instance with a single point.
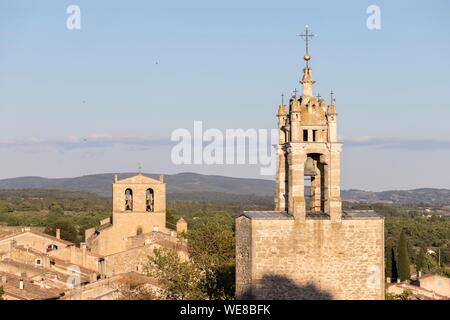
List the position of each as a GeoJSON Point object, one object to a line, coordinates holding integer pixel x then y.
{"type": "Point", "coordinates": [6, 206]}
{"type": "Point", "coordinates": [68, 229]}
{"type": "Point", "coordinates": [404, 272]}
{"type": "Point", "coordinates": [209, 274]}
{"type": "Point", "coordinates": [420, 261]}
{"type": "Point", "coordinates": [55, 212]}
{"type": "Point", "coordinates": [56, 209]}
{"type": "Point", "coordinates": [212, 250]}
{"type": "Point", "coordinates": [394, 269]}
{"type": "Point", "coordinates": [388, 262]}
{"type": "Point", "coordinates": [179, 280]}
{"type": "Point", "coordinates": [132, 291]}
{"type": "Point", "coordinates": [405, 295]}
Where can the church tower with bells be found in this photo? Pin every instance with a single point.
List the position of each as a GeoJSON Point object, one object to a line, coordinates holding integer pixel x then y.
{"type": "Point", "coordinates": [308, 247]}
{"type": "Point", "coordinates": [308, 152]}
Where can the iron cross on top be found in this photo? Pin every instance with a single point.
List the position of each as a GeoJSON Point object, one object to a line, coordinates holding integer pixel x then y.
{"type": "Point", "coordinates": [307, 35]}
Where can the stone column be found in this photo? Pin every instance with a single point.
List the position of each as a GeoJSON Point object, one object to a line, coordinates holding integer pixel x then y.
{"type": "Point", "coordinates": [332, 127]}
{"type": "Point", "coordinates": [310, 135]}
{"type": "Point", "coordinates": [334, 183]}
{"type": "Point", "coordinates": [295, 122]}
{"type": "Point", "coordinates": [316, 184]}
{"type": "Point", "coordinates": [296, 163]}
{"type": "Point", "coordinates": [83, 252]}
{"type": "Point", "coordinates": [280, 188]}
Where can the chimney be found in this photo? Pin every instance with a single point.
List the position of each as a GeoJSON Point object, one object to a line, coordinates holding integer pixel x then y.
{"type": "Point", "coordinates": [115, 178]}
{"type": "Point", "coordinates": [21, 284]}
{"type": "Point", "coordinates": [181, 226]}
{"type": "Point", "coordinates": [83, 246]}
{"type": "Point", "coordinates": [161, 178]}
{"type": "Point", "coordinates": [58, 233]}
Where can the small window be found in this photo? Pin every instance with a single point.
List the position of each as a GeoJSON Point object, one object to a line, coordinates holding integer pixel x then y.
{"type": "Point", "coordinates": [128, 200]}
{"type": "Point", "coordinates": [150, 200]}
{"type": "Point", "coordinates": [139, 231]}
{"type": "Point", "coordinates": [38, 262]}
{"type": "Point", "coordinates": [314, 135]}
{"type": "Point", "coordinates": [52, 247]}
{"type": "Point", "coordinates": [305, 135]}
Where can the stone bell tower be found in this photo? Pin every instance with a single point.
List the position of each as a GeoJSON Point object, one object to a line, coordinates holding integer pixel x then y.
{"type": "Point", "coordinates": [308, 248]}
{"type": "Point", "coordinates": [139, 207]}
{"type": "Point", "coordinates": [308, 152]}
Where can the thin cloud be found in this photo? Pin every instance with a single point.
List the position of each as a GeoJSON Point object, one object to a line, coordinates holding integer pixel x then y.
{"type": "Point", "coordinates": [394, 143]}
{"type": "Point", "coordinates": [88, 142]}
{"type": "Point", "coordinates": [107, 141]}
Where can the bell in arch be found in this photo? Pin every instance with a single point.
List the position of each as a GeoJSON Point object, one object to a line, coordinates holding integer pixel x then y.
{"type": "Point", "coordinates": [310, 168]}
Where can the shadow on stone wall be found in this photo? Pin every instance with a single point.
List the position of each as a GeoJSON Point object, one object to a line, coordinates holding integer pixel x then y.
{"type": "Point", "coordinates": [275, 287]}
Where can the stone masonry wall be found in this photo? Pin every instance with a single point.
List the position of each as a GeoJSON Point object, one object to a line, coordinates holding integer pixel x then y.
{"type": "Point", "coordinates": [315, 259]}
{"type": "Point", "coordinates": [244, 257]}
{"type": "Point", "coordinates": [133, 260]}
{"type": "Point", "coordinates": [136, 259]}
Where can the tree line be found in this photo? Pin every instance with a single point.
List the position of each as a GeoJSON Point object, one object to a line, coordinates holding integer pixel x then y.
{"type": "Point", "coordinates": [209, 274]}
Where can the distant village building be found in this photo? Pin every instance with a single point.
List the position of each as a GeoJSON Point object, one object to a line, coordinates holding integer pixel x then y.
{"type": "Point", "coordinates": [427, 287]}
{"type": "Point", "coordinates": [308, 248]}
{"type": "Point", "coordinates": [34, 265]}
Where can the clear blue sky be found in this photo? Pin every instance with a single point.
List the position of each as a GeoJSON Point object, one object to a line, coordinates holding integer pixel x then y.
{"type": "Point", "coordinates": [103, 98]}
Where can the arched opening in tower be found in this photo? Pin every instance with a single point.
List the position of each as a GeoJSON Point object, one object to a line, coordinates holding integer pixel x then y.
{"type": "Point", "coordinates": [150, 200]}
{"type": "Point", "coordinates": [128, 200]}
{"type": "Point", "coordinates": [314, 182]}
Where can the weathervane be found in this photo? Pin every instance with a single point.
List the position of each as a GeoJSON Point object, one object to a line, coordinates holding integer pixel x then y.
{"type": "Point", "coordinates": [307, 36]}
{"type": "Point", "coordinates": [139, 167]}
{"type": "Point", "coordinates": [295, 93]}
{"type": "Point", "coordinates": [282, 99]}
{"type": "Point", "coordinates": [333, 99]}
